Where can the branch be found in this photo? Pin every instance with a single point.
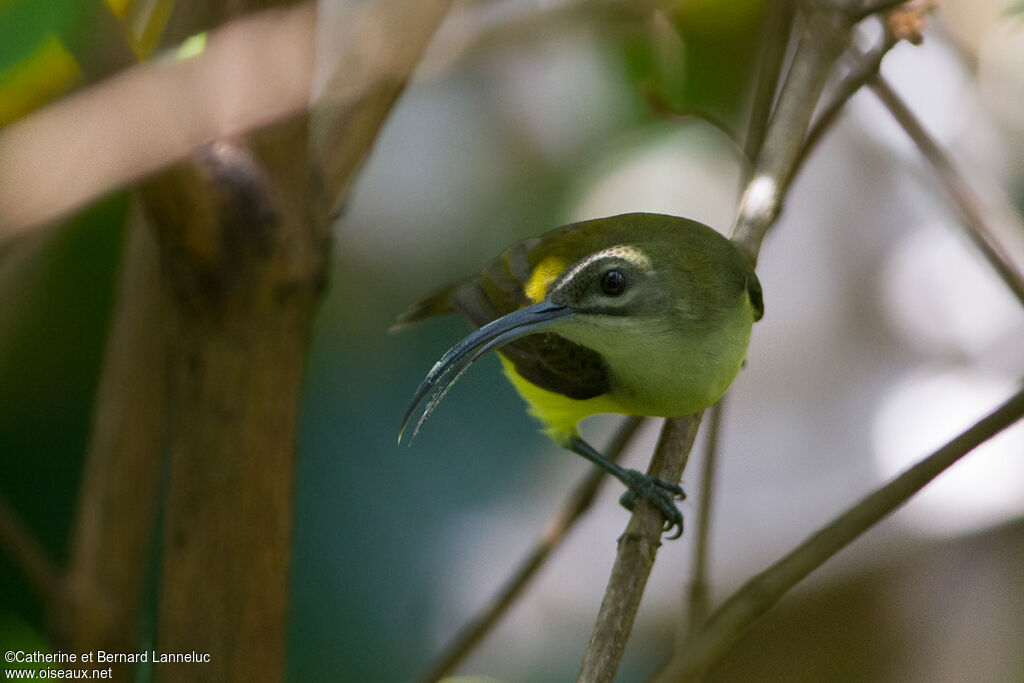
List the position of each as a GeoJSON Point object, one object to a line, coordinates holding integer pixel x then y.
{"type": "Point", "coordinates": [244, 232]}
{"type": "Point", "coordinates": [863, 71]}
{"type": "Point", "coordinates": [776, 34]}
{"type": "Point", "coordinates": [27, 555]}
{"type": "Point", "coordinates": [978, 221]}
{"type": "Point", "coordinates": [825, 36]}
{"type": "Point", "coordinates": [555, 531]}
{"type": "Point", "coordinates": [243, 269]}
{"type": "Point", "coordinates": [638, 546]}
{"type": "Point", "coordinates": [731, 620]}
{"type": "Point", "coordinates": [698, 598]}
{"type": "Point", "coordinates": [152, 115]}
{"type": "Point", "coordinates": [370, 71]}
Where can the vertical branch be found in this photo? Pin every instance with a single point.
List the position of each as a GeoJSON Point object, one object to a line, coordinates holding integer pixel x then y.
{"type": "Point", "coordinates": [698, 597]}
{"type": "Point", "coordinates": [777, 27]}
{"type": "Point", "coordinates": [113, 527]}
{"type": "Point", "coordinates": [243, 270]}
{"type": "Point", "coordinates": [637, 549]}
{"type": "Point", "coordinates": [776, 38]}
{"type": "Point", "coordinates": [825, 36]}
{"type": "Point", "coordinates": [245, 231]}
{"type": "Point", "coordinates": [826, 33]}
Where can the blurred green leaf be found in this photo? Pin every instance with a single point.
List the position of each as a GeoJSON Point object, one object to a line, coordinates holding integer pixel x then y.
{"type": "Point", "coordinates": [57, 294]}
{"type": "Point", "coordinates": [15, 635]}
{"type": "Point", "coordinates": [700, 56]}
{"type": "Point", "coordinates": [25, 24]}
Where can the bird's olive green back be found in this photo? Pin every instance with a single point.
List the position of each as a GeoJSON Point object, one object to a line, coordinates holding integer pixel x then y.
{"type": "Point", "coordinates": [551, 361]}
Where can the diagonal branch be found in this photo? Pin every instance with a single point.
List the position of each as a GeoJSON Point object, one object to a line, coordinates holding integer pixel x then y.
{"type": "Point", "coordinates": [863, 71]}
{"type": "Point", "coordinates": [978, 221]}
{"type": "Point", "coordinates": [731, 620]}
{"type": "Point", "coordinates": [368, 75]}
{"type": "Point", "coordinates": [555, 532]}
{"type": "Point", "coordinates": [68, 153]}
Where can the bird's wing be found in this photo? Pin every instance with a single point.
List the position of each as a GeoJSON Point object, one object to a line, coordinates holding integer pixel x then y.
{"type": "Point", "coordinates": [546, 359]}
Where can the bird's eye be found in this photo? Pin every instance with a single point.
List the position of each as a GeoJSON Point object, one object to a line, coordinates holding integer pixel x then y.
{"type": "Point", "coordinates": [613, 283]}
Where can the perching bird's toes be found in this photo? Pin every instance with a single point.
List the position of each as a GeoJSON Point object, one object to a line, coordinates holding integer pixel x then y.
{"type": "Point", "coordinates": [659, 493]}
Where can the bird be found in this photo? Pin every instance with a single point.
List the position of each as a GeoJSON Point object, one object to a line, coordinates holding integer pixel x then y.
{"type": "Point", "coordinates": [639, 314]}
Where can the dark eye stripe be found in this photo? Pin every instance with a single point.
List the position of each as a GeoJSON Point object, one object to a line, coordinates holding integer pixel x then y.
{"type": "Point", "coordinates": [613, 283]}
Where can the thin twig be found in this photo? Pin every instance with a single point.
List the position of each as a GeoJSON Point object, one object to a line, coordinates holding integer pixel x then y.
{"type": "Point", "coordinates": [777, 28]}
{"type": "Point", "coordinates": [776, 35]}
{"type": "Point", "coordinates": [638, 546]}
{"type": "Point", "coordinates": [369, 71]}
{"type": "Point", "coordinates": [732, 619]}
{"type": "Point", "coordinates": [555, 531]}
{"type": "Point", "coordinates": [863, 71]}
{"type": "Point", "coordinates": [698, 596]}
{"type": "Point", "coordinates": [976, 218]}
{"type": "Point", "coordinates": [27, 555]}
{"type": "Point", "coordinates": [826, 34]}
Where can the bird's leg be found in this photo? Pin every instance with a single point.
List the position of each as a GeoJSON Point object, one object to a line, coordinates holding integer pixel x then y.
{"type": "Point", "coordinates": [658, 492]}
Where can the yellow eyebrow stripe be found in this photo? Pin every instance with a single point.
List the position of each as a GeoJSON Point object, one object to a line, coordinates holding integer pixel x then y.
{"type": "Point", "coordinates": [546, 272]}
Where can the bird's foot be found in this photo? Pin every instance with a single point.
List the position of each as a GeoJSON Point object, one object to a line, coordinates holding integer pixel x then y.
{"type": "Point", "coordinates": [659, 493]}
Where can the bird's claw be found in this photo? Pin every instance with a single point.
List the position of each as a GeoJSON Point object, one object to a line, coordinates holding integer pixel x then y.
{"type": "Point", "coordinates": [659, 493]}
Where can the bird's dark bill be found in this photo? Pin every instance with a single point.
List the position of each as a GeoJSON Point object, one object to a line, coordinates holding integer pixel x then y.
{"type": "Point", "coordinates": [460, 357]}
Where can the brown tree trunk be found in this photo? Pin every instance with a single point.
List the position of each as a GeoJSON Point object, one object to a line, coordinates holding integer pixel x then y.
{"type": "Point", "coordinates": [244, 268]}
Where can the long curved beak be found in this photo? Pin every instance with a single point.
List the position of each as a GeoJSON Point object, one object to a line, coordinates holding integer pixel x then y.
{"type": "Point", "coordinates": [460, 357]}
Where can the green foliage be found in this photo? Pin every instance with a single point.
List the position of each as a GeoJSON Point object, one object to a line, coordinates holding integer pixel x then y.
{"type": "Point", "coordinates": [52, 332]}
{"type": "Point", "coordinates": [701, 57]}
{"type": "Point", "coordinates": [25, 24]}
{"type": "Point", "coordinates": [16, 635]}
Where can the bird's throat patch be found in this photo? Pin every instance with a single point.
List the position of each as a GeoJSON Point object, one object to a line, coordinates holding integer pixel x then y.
{"type": "Point", "coordinates": [546, 272]}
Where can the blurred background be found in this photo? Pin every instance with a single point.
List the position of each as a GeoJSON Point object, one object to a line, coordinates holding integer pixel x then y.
{"type": "Point", "coordinates": [885, 334]}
